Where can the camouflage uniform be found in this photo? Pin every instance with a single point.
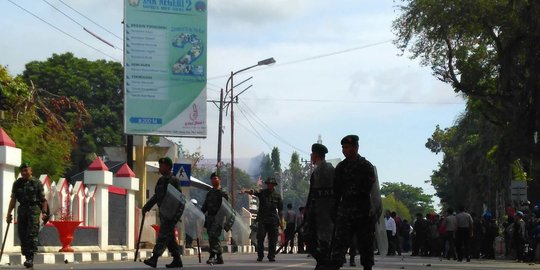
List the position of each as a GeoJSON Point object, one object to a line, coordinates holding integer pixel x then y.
{"type": "Point", "coordinates": [166, 238]}
{"type": "Point", "coordinates": [354, 179]}
{"type": "Point", "coordinates": [211, 206]}
{"type": "Point", "coordinates": [319, 226]}
{"type": "Point", "coordinates": [270, 203]}
{"type": "Point", "coordinates": [29, 194]}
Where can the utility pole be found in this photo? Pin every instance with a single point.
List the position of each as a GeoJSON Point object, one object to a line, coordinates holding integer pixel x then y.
{"type": "Point", "coordinates": [233, 191]}
{"type": "Point", "coordinates": [220, 131]}
{"type": "Point", "coordinates": [230, 91]}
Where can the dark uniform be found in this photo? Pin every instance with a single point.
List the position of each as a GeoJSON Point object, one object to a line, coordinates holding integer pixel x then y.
{"type": "Point", "coordinates": [29, 194]}
{"type": "Point", "coordinates": [319, 226]}
{"type": "Point", "coordinates": [211, 206]}
{"type": "Point", "coordinates": [166, 238]}
{"type": "Point", "coordinates": [270, 204]}
{"type": "Point", "coordinates": [354, 179]}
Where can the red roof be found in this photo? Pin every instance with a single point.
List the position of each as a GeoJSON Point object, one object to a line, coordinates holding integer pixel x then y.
{"type": "Point", "coordinates": [98, 165]}
{"type": "Point", "coordinates": [5, 139]}
{"type": "Point", "coordinates": [125, 171]}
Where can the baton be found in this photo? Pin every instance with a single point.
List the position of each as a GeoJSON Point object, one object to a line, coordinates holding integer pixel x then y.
{"type": "Point", "coordinates": [199, 249]}
{"type": "Point", "coordinates": [139, 240]}
{"type": "Point", "coordinates": [4, 242]}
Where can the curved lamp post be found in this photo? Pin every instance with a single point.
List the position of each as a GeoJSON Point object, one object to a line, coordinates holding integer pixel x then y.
{"type": "Point", "coordinates": [230, 91]}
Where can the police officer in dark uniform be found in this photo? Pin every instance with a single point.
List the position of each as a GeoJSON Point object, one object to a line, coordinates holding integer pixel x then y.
{"type": "Point", "coordinates": [211, 206]}
{"type": "Point", "coordinates": [165, 237]}
{"type": "Point", "coordinates": [354, 178]}
{"type": "Point", "coordinates": [28, 191]}
{"type": "Point", "coordinates": [319, 225]}
{"type": "Point", "coordinates": [268, 218]}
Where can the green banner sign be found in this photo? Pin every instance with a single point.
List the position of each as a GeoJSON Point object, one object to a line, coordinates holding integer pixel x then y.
{"type": "Point", "coordinates": [165, 67]}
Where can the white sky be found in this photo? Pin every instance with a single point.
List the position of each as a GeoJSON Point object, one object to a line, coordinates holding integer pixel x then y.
{"type": "Point", "coordinates": [337, 73]}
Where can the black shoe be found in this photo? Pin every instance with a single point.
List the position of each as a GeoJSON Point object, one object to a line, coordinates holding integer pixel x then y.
{"type": "Point", "coordinates": [152, 262]}
{"type": "Point", "coordinates": [219, 259]}
{"type": "Point", "coordinates": [211, 261]}
{"type": "Point", "coordinates": [290, 252]}
{"type": "Point", "coordinates": [271, 259]}
{"type": "Point", "coordinates": [29, 263]}
{"type": "Point", "coordinates": [259, 259]}
{"type": "Point", "coordinates": [176, 263]}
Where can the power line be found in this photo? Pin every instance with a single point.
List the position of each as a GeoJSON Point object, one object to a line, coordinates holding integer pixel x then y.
{"type": "Point", "coordinates": [272, 132]}
{"type": "Point", "coordinates": [316, 57]}
{"type": "Point", "coordinates": [354, 101]}
{"type": "Point", "coordinates": [62, 31]}
{"type": "Point", "coordinates": [91, 20]}
{"type": "Point", "coordinates": [79, 24]}
{"type": "Point", "coordinates": [255, 133]}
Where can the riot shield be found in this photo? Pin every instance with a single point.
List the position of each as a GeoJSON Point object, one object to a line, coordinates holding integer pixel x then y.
{"type": "Point", "coordinates": [376, 208]}
{"type": "Point", "coordinates": [193, 218]}
{"type": "Point", "coordinates": [232, 221]}
{"type": "Point", "coordinates": [173, 203]}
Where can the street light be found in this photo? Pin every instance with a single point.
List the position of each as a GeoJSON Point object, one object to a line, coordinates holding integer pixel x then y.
{"type": "Point", "coordinates": [230, 91]}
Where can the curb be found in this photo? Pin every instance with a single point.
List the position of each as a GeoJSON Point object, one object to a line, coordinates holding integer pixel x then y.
{"type": "Point", "coordinates": [102, 256]}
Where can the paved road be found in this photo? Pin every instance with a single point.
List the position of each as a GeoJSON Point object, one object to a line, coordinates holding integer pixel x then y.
{"type": "Point", "coordinates": [289, 261]}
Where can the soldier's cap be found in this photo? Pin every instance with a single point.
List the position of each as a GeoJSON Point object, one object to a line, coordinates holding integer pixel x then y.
{"type": "Point", "coordinates": [25, 164]}
{"type": "Point", "coordinates": [271, 180]}
{"type": "Point", "coordinates": [215, 175]}
{"type": "Point", "coordinates": [165, 160]}
{"type": "Point", "coordinates": [350, 139]}
{"type": "Point", "coordinates": [319, 149]}
{"type": "Point", "coordinates": [520, 214]}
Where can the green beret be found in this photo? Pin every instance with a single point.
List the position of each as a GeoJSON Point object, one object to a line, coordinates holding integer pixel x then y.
{"type": "Point", "coordinates": [165, 160]}
{"type": "Point", "coordinates": [214, 175]}
{"type": "Point", "coordinates": [319, 149]}
{"type": "Point", "coordinates": [350, 139]}
{"type": "Point", "coordinates": [25, 164]}
{"type": "Point", "coordinates": [271, 180]}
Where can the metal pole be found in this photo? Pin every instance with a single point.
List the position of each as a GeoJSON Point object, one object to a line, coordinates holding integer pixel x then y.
{"type": "Point", "coordinates": [232, 143]}
{"type": "Point", "coordinates": [220, 130]}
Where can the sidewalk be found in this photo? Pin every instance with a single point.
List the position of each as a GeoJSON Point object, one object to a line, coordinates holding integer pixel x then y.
{"type": "Point", "coordinates": [101, 256]}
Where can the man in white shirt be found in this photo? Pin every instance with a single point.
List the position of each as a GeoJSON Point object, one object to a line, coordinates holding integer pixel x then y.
{"type": "Point", "coordinates": [463, 233]}
{"type": "Point", "coordinates": [390, 224]}
{"type": "Point", "coordinates": [450, 222]}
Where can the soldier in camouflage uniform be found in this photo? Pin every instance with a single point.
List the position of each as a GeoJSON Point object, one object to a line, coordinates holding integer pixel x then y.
{"type": "Point", "coordinates": [268, 217]}
{"type": "Point", "coordinates": [28, 191]}
{"type": "Point", "coordinates": [319, 226]}
{"type": "Point", "coordinates": [211, 206]}
{"type": "Point", "coordinates": [354, 179]}
{"type": "Point", "coordinates": [165, 237]}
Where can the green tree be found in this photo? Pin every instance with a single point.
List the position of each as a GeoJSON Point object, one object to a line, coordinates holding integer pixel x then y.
{"type": "Point", "coordinates": [392, 204]}
{"type": "Point", "coordinates": [296, 184]}
{"type": "Point", "coordinates": [276, 162]}
{"type": "Point", "coordinates": [267, 169]}
{"type": "Point", "coordinates": [99, 85]}
{"type": "Point", "coordinates": [488, 50]}
{"type": "Point", "coordinates": [412, 197]}
{"type": "Point", "coordinates": [33, 119]}
{"type": "Point", "coordinates": [468, 166]}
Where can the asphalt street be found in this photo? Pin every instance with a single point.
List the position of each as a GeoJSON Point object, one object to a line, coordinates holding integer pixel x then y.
{"type": "Point", "coordinates": [295, 261]}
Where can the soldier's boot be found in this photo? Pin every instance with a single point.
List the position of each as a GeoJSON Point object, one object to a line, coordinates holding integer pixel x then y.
{"type": "Point", "coordinates": [152, 261]}
{"type": "Point", "coordinates": [211, 260]}
{"type": "Point", "coordinates": [29, 263]}
{"type": "Point", "coordinates": [219, 259]}
{"type": "Point", "coordinates": [176, 263]}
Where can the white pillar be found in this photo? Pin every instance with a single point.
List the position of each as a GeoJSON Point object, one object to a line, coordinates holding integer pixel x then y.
{"type": "Point", "coordinates": [99, 175]}
{"type": "Point", "coordinates": [10, 158]}
{"type": "Point", "coordinates": [125, 178]}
